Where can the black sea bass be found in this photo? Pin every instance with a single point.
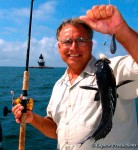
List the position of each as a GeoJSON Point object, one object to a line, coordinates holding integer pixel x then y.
{"type": "Point", "coordinates": [106, 92]}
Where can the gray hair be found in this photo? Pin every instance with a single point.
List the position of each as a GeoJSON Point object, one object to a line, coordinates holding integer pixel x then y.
{"type": "Point", "coordinates": [75, 22]}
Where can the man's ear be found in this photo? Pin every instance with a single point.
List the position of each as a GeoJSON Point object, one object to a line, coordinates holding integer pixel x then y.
{"type": "Point", "coordinates": [58, 45]}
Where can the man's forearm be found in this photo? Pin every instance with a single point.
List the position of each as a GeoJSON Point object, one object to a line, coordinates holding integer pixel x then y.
{"type": "Point", "coordinates": [45, 125]}
{"type": "Point", "coordinates": [129, 39]}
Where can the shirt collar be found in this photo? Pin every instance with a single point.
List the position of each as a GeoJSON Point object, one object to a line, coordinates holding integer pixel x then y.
{"type": "Point", "coordinates": [89, 69]}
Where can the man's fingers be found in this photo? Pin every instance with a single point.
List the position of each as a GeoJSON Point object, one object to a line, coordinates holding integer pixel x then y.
{"type": "Point", "coordinates": [92, 24]}
{"type": "Point", "coordinates": [110, 10]}
{"type": "Point", "coordinates": [17, 110]}
{"type": "Point", "coordinates": [18, 120]}
{"type": "Point", "coordinates": [100, 12]}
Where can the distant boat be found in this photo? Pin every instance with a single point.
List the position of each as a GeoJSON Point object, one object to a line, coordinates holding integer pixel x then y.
{"type": "Point", "coordinates": [41, 63]}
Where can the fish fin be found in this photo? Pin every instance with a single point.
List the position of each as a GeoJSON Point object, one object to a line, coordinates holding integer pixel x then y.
{"type": "Point", "coordinates": [124, 82]}
{"type": "Point", "coordinates": [89, 87]}
{"type": "Point", "coordinates": [97, 97]}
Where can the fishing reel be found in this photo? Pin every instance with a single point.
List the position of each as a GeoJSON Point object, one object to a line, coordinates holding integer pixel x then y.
{"type": "Point", "coordinates": [28, 103]}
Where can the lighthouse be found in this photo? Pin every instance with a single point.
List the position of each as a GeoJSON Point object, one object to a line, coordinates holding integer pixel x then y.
{"type": "Point", "coordinates": [41, 61]}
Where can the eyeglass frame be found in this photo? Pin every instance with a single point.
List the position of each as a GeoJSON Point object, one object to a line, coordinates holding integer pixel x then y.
{"type": "Point", "coordinates": [68, 42]}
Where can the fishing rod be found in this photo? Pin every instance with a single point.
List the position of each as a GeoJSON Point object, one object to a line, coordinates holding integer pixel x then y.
{"type": "Point", "coordinates": [24, 100]}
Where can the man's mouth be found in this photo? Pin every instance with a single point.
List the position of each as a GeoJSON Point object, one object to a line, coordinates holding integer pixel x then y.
{"type": "Point", "coordinates": [74, 55]}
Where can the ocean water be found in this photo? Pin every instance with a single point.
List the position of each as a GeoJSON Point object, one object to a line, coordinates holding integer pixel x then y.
{"type": "Point", "coordinates": [41, 82]}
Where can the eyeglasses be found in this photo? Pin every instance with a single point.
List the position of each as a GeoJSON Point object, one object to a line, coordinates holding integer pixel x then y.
{"type": "Point", "coordinates": [80, 41]}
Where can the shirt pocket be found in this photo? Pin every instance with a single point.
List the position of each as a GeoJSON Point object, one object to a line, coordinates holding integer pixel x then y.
{"type": "Point", "coordinates": [90, 110]}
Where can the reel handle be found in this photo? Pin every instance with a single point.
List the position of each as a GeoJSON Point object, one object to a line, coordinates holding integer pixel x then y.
{"type": "Point", "coordinates": [6, 111]}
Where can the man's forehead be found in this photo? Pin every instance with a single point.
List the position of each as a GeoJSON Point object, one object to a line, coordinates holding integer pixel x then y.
{"type": "Point", "coordinates": [70, 30]}
{"type": "Point", "coordinates": [67, 28]}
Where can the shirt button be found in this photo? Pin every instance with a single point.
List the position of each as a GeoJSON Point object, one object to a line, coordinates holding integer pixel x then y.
{"type": "Point", "coordinates": [69, 106]}
{"type": "Point", "coordinates": [67, 123]}
{"type": "Point", "coordinates": [66, 142]}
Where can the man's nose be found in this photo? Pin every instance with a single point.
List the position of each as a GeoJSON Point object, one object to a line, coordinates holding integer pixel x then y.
{"type": "Point", "coordinates": [74, 45]}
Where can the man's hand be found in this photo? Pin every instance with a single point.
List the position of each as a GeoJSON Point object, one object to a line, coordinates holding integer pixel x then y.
{"type": "Point", "coordinates": [17, 111]}
{"type": "Point", "coordinates": [104, 18]}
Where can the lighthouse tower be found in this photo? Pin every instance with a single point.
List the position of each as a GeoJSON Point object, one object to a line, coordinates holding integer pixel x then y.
{"type": "Point", "coordinates": [41, 61]}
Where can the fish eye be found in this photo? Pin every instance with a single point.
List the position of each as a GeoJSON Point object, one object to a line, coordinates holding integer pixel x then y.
{"type": "Point", "coordinates": [107, 61]}
{"type": "Point", "coordinates": [98, 62]}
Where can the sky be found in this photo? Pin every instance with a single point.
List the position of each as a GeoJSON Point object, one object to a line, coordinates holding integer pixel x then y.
{"type": "Point", "coordinates": [47, 16]}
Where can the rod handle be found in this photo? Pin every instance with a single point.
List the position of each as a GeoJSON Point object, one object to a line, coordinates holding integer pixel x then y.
{"type": "Point", "coordinates": [25, 81]}
{"type": "Point", "coordinates": [22, 132]}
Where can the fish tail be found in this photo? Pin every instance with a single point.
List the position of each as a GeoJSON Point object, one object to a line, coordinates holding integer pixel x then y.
{"type": "Point", "coordinates": [102, 132]}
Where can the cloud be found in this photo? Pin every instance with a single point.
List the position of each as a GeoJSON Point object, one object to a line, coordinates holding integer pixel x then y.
{"type": "Point", "coordinates": [16, 20]}
{"type": "Point", "coordinates": [46, 46]}
{"type": "Point", "coordinates": [10, 52]}
{"type": "Point", "coordinates": [45, 10]}
{"type": "Point", "coordinates": [15, 31]}
{"type": "Point", "coordinates": [14, 53]}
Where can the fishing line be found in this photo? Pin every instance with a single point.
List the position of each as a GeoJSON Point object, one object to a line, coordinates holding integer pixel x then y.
{"type": "Point", "coordinates": [113, 46]}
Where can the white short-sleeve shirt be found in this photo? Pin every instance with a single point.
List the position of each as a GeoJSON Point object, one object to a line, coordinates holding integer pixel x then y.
{"type": "Point", "coordinates": [77, 114]}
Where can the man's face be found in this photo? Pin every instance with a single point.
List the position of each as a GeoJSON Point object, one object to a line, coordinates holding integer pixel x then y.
{"type": "Point", "coordinates": [71, 47]}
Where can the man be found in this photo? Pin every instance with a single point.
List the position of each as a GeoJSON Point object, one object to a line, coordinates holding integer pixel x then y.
{"type": "Point", "coordinates": [72, 113]}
